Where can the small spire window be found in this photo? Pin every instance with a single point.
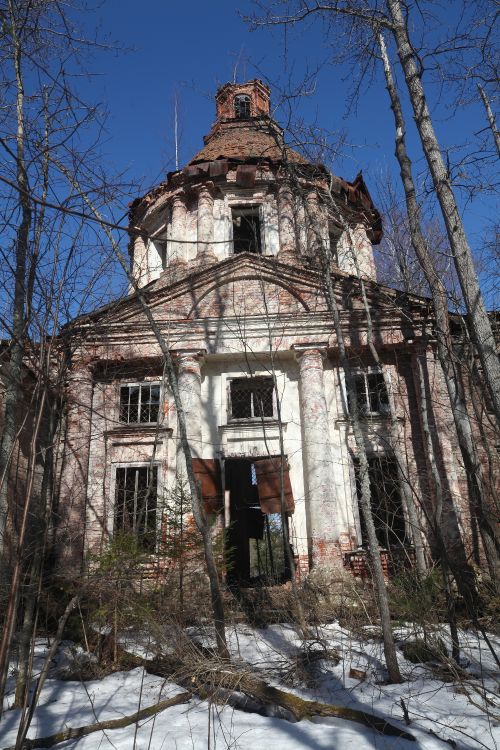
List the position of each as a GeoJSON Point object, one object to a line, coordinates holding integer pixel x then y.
{"type": "Point", "coordinates": [242, 107]}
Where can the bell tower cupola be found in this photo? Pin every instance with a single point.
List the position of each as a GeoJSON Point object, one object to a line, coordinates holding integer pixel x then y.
{"type": "Point", "coordinates": [242, 101]}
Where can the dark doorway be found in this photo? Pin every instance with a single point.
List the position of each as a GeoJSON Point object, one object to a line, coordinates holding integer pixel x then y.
{"type": "Point", "coordinates": [254, 540]}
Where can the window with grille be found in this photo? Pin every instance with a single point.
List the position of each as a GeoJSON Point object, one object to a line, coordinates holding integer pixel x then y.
{"type": "Point", "coordinates": [371, 393]}
{"type": "Point", "coordinates": [251, 398]}
{"type": "Point", "coordinates": [242, 107]}
{"type": "Point", "coordinates": [386, 504]}
{"type": "Point", "coordinates": [246, 229]}
{"type": "Point", "coordinates": [139, 403]}
{"type": "Point", "coordinates": [135, 503]}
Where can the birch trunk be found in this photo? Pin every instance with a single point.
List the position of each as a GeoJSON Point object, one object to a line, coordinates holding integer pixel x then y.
{"type": "Point", "coordinates": [365, 499]}
{"type": "Point", "coordinates": [438, 509]}
{"type": "Point", "coordinates": [478, 320]}
{"type": "Point", "coordinates": [14, 380]}
{"type": "Point", "coordinates": [490, 117]}
{"type": "Point", "coordinates": [196, 500]}
{"type": "Point", "coordinates": [463, 427]}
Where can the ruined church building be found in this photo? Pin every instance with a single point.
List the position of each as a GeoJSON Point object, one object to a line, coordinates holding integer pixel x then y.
{"type": "Point", "coordinates": [230, 253]}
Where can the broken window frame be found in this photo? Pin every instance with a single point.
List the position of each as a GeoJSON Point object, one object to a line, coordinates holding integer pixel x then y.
{"type": "Point", "coordinates": [246, 385]}
{"type": "Point", "coordinates": [242, 104]}
{"type": "Point", "coordinates": [371, 392]}
{"type": "Point", "coordinates": [141, 522]}
{"type": "Point", "coordinates": [125, 407]}
{"type": "Point", "coordinates": [244, 211]}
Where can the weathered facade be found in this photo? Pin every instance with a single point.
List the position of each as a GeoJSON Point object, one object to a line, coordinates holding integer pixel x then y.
{"type": "Point", "coordinates": [230, 253]}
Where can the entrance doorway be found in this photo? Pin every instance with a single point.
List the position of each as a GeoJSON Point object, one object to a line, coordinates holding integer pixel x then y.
{"type": "Point", "coordinates": [254, 540]}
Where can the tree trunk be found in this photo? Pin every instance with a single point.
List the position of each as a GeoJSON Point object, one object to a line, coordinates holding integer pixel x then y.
{"type": "Point", "coordinates": [14, 379]}
{"type": "Point", "coordinates": [491, 117]}
{"type": "Point", "coordinates": [196, 500]}
{"type": "Point", "coordinates": [27, 716]}
{"type": "Point", "coordinates": [413, 522]}
{"type": "Point", "coordinates": [287, 549]}
{"type": "Point", "coordinates": [444, 339]}
{"type": "Point", "coordinates": [365, 499]}
{"type": "Point", "coordinates": [436, 525]}
{"type": "Point", "coordinates": [477, 316]}
{"type": "Point", "coordinates": [101, 726]}
{"type": "Point", "coordinates": [17, 572]}
{"type": "Point", "coordinates": [211, 683]}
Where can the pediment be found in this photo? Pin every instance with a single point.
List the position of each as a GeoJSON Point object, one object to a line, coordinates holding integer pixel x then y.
{"type": "Point", "coordinates": [249, 285]}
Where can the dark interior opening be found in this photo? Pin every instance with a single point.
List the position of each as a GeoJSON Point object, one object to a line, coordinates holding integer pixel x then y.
{"type": "Point", "coordinates": [386, 503]}
{"type": "Point", "coordinates": [246, 230]}
{"type": "Point", "coordinates": [254, 540]}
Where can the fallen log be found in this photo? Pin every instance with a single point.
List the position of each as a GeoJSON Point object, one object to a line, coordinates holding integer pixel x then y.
{"type": "Point", "coordinates": [77, 732]}
{"type": "Point", "coordinates": [298, 707]}
{"type": "Point", "coordinates": [216, 681]}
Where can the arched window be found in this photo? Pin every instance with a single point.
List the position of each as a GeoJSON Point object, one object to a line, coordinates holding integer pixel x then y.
{"type": "Point", "coordinates": [242, 106]}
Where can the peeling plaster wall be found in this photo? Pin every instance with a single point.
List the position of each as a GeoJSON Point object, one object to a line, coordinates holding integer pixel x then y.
{"type": "Point", "coordinates": [356, 243]}
{"type": "Point", "coordinates": [147, 264]}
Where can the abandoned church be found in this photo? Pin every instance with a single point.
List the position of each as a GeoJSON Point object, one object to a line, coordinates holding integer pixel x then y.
{"type": "Point", "coordinates": [231, 254]}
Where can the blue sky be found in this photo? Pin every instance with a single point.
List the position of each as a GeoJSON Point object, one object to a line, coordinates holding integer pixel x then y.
{"type": "Point", "coordinates": [190, 48]}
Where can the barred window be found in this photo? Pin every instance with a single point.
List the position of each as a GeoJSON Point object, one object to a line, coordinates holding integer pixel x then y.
{"type": "Point", "coordinates": [371, 393]}
{"type": "Point", "coordinates": [251, 398]}
{"type": "Point", "coordinates": [139, 403]}
{"type": "Point", "coordinates": [135, 503]}
{"type": "Point", "coordinates": [242, 107]}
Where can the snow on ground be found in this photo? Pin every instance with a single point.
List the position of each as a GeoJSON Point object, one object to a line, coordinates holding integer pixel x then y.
{"type": "Point", "coordinates": [446, 708]}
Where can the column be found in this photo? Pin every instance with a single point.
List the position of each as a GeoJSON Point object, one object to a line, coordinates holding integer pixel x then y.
{"type": "Point", "coordinates": [71, 523]}
{"type": "Point", "coordinates": [177, 251]}
{"type": "Point", "coordinates": [140, 268]}
{"type": "Point", "coordinates": [189, 381]}
{"type": "Point", "coordinates": [313, 225]}
{"type": "Point", "coordinates": [205, 252]}
{"type": "Point", "coordinates": [319, 480]}
{"type": "Point", "coordinates": [286, 217]}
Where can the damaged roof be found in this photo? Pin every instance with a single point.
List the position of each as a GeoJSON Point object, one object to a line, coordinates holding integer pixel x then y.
{"type": "Point", "coordinates": [255, 138]}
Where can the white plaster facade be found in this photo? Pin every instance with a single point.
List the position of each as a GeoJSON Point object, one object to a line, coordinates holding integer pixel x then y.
{"type": "Point", "coordinates": [255, 314]}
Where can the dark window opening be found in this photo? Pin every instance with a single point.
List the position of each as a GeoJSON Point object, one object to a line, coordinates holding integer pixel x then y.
{"type": "Point", "coordinates": [333, 240]}
{"type": "Point", "coordinates": [162, 252]}
{"type": "Point", "coordinates": [135, 504]}
{"type": "Point", "coordinates": [386, 504]}
{"type": "Point", "coordinates": [251, 398]}
{"type": "Point", "coordinates": [371, 394]}
{"type": "Point", "coordinates": [246, 230]}
{"type": "Point", "coordinates": [139, 403]}
{"type": "Point", "coordinates": [242, 107]}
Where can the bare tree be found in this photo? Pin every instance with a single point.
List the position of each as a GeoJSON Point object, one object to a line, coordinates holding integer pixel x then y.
{"type": "Point", "coordinates": [365, 20]}
{"type": "Point", "coordinates": [446, 350]}
{"type": "Point", "coordinates": [47, 264]}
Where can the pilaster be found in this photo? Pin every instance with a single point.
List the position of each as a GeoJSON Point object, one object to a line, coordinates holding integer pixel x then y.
{"type": "Point", "coordinates": [177, 247]}
{"type": "Point", "coordinates": [74, 475]}
{"type": "Point", "coordinates": [205, 225]}
{"type": "Point", "coordinates": [286, 217]}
